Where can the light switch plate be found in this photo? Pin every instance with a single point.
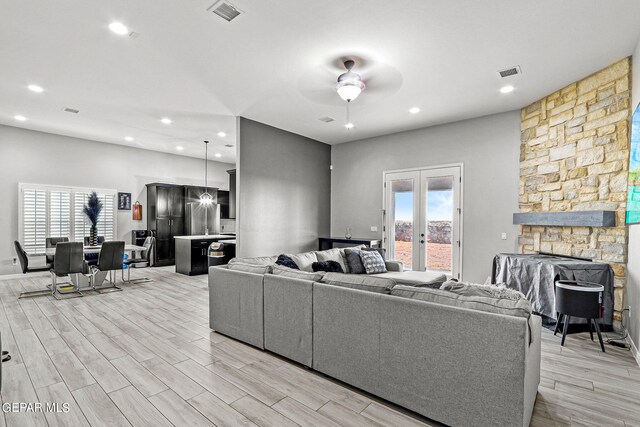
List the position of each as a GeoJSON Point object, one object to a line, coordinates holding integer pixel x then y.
{"type": "Point", "coordinates": [503, 236]}
{"type": "Point", "coordinates": [374, 228]}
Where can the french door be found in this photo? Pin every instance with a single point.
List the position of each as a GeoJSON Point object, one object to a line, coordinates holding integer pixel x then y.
{"type": "Point", "coordinates": [422, 219]}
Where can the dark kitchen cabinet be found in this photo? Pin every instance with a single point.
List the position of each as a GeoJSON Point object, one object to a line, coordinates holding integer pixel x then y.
{"type": "Point", "coordinates": [223, 201]}
{"type": "Point", "coordinates": [191, 255]}
{"type": "Point", "coordinates": [165, 218]}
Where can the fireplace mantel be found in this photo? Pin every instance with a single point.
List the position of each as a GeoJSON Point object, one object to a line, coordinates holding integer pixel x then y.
{"type": "Point", "coordinates": [567, 219]}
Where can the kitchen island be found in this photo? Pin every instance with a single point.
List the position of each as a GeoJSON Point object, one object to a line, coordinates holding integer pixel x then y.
{"type": "Point", "coordinates": [191, 252]}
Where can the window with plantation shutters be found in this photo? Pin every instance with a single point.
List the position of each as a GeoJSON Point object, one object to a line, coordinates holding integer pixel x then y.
{"type": "Point", "coordinates": [51, 211]}
{"type": "Point", "coordinates": [34, 219]}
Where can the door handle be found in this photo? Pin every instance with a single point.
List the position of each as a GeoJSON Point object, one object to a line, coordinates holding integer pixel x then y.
{"type": "Point", "coordinates": [421, 241]}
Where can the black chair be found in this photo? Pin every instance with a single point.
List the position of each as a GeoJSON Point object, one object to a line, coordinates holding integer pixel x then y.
{"type": "Point", "coordinates": [110, 259]}
{"type": "Point", "coordinates": [51, 242]}
{"type": "Point", "coordinates": [69, 259]}
{"type": "Point", "coordinates": [92, 259]}
{"type": "Point", "coordinates": [24, 260]}
{"type": "Point", "coordinates": [578, 299]}
{"type": "Point", "coordinates": [145, 258]}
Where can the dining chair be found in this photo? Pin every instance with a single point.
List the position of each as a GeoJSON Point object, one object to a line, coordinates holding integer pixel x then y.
{"type": "Point", "coordinates": [69, 259]}
{"type": "Point", "coordinates": [51, 242]}
{"type": "Point", "coordinates": [92, 259]}
{"type": "Point", "coordinates": [24, 260]}
{"type": "Point", "coordinates": [110, 259]}
{"type": "Point", "coordinates": [145, 258]}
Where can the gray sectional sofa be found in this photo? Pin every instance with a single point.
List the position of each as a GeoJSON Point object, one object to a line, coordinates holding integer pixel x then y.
{"type": "Point", "coordinates": [436, 353]}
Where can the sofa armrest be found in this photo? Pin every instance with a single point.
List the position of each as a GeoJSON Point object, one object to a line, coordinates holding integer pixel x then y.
{"type": "Point", "coordinates": [394, 266]}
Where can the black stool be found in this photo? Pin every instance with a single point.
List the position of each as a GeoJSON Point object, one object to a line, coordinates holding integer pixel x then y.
{"type": "Point", "coordinates": [578, 299]}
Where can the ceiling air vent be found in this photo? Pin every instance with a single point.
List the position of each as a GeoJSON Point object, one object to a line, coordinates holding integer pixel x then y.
{"type": "Point", "coordinates": [224, 10]}
{"type": "Point", "coordinates": [70, 110]}
{"type": "Point", "coordinates": [326, 119]}
{"type": "Point", "coordinates": [510, 71]}
{"type": "Point", "coordinates": [228, 145]}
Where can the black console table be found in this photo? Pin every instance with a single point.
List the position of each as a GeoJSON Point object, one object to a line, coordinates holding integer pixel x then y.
{"type": "Point", "coordinates": [325, 243]}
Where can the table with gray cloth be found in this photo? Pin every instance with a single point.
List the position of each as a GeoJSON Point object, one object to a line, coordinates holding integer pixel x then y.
{"type": "Point", "coordinates": [535, 275]}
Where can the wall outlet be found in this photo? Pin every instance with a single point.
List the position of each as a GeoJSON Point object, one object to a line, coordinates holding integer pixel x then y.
{"type": "Point", "coordinates": [374, 228]}
{"type": "Point", "coordinates": [14, 261]}
{"type": "Point", "coordinates": [503, 236]}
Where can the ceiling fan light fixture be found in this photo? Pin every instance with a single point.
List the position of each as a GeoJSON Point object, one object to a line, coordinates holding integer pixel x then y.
{"type": "Point", "coordinates": [350, 90]}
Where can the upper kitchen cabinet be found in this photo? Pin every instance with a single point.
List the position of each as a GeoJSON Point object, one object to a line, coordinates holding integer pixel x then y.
{"type": "Point", "coordinates": [232, 193]}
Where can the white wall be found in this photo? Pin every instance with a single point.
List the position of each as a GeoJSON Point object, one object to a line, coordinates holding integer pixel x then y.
{"type": "Point", "coordinates": [489, 148]}
{"type": "Point", "coordinates": [633, 266]}
{"type": "Point", "coordinates": [44, 158]}
{"type": "Point", "coordinates": [283, 190]}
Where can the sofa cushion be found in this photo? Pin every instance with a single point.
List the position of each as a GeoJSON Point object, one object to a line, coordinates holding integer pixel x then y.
{"type": "Point", "coordinates": [286, 261]}
{"type": "Point", "coordinates": [362, 282]}
{"type": "Point", "coordinates": [261, 260]}
{"type": "Point", "coordinates": [373, 262]}
{"type": "Point", "coordinates": [279, 270]}
{"type": "Point", "coordinates": [304, 260]}
{"type": "Point", "coordinates": [416, 278]}
{"type": "Point", "coordinates": [474, 289]}
{"type": "Point", "coordinates": [331, 266]}
{"type": "Point", "coordinates": [519, 308]}
{"type": "Point", "coordinates": [250, 268]}
{"type": "Point", "coordinates": [335, 254]}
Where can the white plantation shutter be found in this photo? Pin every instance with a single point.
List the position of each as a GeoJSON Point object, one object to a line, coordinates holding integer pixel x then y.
{"type": "Point", "coordinates": [60, 214]}
{"type": "Point", "coordinates": [50, 211]}
{"type": "Point", "coordinates": [34, 220]}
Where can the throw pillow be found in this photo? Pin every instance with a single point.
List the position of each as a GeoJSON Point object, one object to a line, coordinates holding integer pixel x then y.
{"type": "Point", "coordinates": [373, 262]}
{"type": "Point", "coordinates": [286, 261]}
{"type": "Point", "coordinates": [354, 262]}
{"type": "Point", "coordinates": [381, 251]}
{"type": "Point", "coordinates": [331, 266]}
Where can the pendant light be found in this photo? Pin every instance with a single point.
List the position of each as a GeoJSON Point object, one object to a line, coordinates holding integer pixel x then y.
{"type": "Point", "coordinates": [349, 87]}
{"type": "Point", "coordinates": [206, 198]}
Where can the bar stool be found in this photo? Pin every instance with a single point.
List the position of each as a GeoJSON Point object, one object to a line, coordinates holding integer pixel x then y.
{"type": "Point", "coordinates": [578, 299]}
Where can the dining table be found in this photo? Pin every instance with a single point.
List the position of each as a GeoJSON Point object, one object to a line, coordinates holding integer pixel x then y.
{"type": "Point", "coordinates": [81, 280]}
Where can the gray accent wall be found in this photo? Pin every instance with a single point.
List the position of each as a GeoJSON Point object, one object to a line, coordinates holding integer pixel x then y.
{"type": "Point", "coordinates": [488, 147]}
{"type": "Point", "coordinates": [632, 319]}
{"type": "Point", "coordinates": [44, 158]}
{"type": "Point", "coordinates": [284, 186]}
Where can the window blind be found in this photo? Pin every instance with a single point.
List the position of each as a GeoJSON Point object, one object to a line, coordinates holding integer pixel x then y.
{"type": "Point", "coordinates": [50, 211]}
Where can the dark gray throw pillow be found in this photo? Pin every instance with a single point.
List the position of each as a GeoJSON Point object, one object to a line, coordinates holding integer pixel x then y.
{"type": "Point", "coordinates": [354, 261]}
{"type": "Point", "coordinates": [329, 266]}
{"type": "Point", "coordinates": [286, 261]}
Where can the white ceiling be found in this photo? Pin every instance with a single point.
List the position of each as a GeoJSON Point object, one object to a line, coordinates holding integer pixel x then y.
{"type": "Point", "coordinates": [277, 64]}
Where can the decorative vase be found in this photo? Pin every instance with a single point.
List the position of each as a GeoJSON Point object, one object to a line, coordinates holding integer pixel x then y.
{"type": "Point", "coordinates": [347, 234]}
{"type": "Point", "coordinates": [93, 236]}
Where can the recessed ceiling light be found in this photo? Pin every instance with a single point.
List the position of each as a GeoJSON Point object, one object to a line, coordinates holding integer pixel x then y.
{"type": "Point", "coordinates": [128, 138]}
{"type": "Point", "coordinates": [35, 88]}
{"type": "Point", "coordinates": [222, 134]}
{"type": "Point", "coordinates": [166, 120]}
{"type": "Point", "coordinates": [414, 110]}
{"type": "Point", "coordinates": [118, 28]}
{"type": "Point", "coordinates": [349, 125]}
{"type": "Point", "coordinates": [507, 89]}
{"type": "Point", "coordinates": [218, 155]}
{"type": "Point", "coordinates": [179, 148]}
{"type": "Point", "coordinates": [20, 118]}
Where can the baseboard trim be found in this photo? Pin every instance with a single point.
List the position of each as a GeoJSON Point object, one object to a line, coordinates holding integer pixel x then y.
{"type": "Point", "coordinates": [634, 350]}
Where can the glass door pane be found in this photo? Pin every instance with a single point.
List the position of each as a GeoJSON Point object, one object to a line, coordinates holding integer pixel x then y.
{"type": "Point", "coordinates": [402, 195]}
{"type": "Point", "coordinates": [439, 219]}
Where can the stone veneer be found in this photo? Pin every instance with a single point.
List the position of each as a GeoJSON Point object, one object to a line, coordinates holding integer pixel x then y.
{"type": "Point", "coordinates": [574, 155]}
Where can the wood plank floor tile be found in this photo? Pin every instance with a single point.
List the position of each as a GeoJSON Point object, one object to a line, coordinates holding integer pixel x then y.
{"type": "Point", "coordinates": [261, 391]}
{"type": "Point", "coordinates": [180, 383]}
{"type": "Point", "coordinates": [143, 380]}
{"type": "Point", "coordinates": [345, 416]}
{"type": "Point", "coordinates": [261, 414]}
{"type": "Point", "coordinates": [218, 412]}
{"type": "Point", "coordinates": [41, 370]}
{"type": "Point", "coordinates": [221, 388]}
{"type": "Point", "coordinates": [98, 408]}
{"type": "Point", "coordinates": [178, 411]}
{"type": "Point", "coordinates": [59, 394]}
{"type": "Point", "coordinates": [301, 414]}
{"type": "Point", "coordinates": [138, 410]}
{"type": "Point", "coordinates": [73, 372]}
{"type": "Point", "coordinates": [17, 388]}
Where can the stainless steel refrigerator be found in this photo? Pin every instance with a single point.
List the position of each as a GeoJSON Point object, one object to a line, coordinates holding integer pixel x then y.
{"type": "Point", "coordinates": [196, 213]}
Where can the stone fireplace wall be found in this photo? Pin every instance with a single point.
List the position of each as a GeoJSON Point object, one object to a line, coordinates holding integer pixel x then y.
{"type": "Point", "coordinates": [574, 156]}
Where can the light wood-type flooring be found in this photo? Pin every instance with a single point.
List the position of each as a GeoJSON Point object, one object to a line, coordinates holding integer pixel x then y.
{"type": "Point", "coordinates": [146, 357]}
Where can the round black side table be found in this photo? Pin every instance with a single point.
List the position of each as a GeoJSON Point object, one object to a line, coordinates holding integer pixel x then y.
{"type": "Point", "coordinates": [578, 299]}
